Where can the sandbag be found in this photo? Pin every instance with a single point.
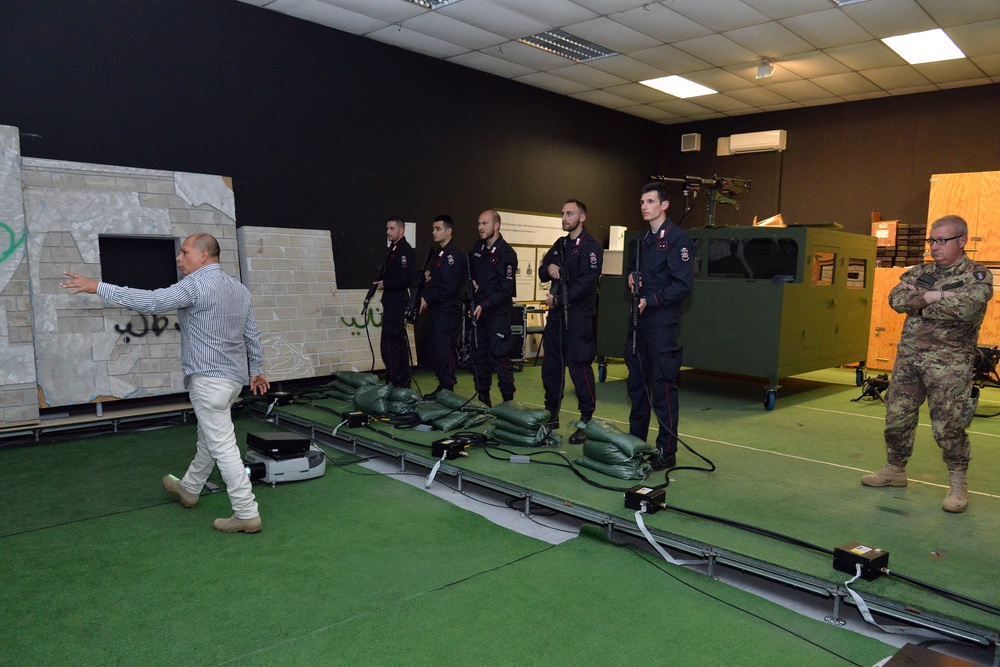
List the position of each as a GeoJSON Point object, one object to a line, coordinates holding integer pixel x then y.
{"type": "Point", "coordinates": [453, 400]}
{"type": "Point", "coordinates": [428, 412]}
{"type": "Point", "coordinates": [536, 432]}
{"type": "Point", "coordinates": [356, 379]}
{"type": "Point", "coordinates": [395, 408]}
{"type": "Point", "coordinates": [456, 420]}
{"type": "Point", "coordinates": [604, 452]}
{"type": "Point", "coordinates": [601, 430]}
{"type": "Point", "coordinates": [519, 414]}
{"type": "Point", "coordinates": [629, 470]}
{"type": "Point", "coordinates": [339, 394]}
{"type": "Point", "coordinates": [404, 394]}
{"type": "Point", "coordinates": [371, 399]}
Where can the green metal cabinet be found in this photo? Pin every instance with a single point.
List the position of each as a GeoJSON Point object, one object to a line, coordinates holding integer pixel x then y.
{"type": "Point", "coordinates": [774, 302]}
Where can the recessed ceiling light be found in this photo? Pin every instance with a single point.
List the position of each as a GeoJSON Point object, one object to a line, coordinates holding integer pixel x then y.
{"type": "Point", "coordinates": [841, 3]}
{"type": "Point", "coordinates": [432, 4]}
{"type": "Point", "coordinates": [765, 70]}
{"type": "Point", "coordinates": [678, 86]}
{"type": "Point", "coordinates": [566, 45]}
{"type": "Point", "coordinates": [928, 46]}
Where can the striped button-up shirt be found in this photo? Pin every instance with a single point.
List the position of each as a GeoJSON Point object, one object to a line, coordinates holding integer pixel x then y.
{"type": "Point", "coordinates": [216, 320]}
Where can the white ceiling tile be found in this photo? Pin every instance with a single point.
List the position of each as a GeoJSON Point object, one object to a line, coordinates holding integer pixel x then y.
{"type": "Point", "coordinates": [827, 28]}
{"type": "Point", "coordinates": [989, 64]}
{"type": "Point", "coordinates": [719, 15]}
{"type": "Point", "coordinates": [957, 12]}
{"type": "Point", "coordinates": [914, 90]}
{"type": "Point", "coordinates": [769, 39]}
{"type": "Point", "coordinates": [977, 39]}
{"type": "Point", "coordinates": [487, 63]}
{"type": "Point", "coordinates": [681, 107]}
{"type": "Point", "coordinates": [722, 103]}
{"type": "Point", "coordinates": [390, 11]}
{"type": "Point", "coordinates": [627, 68]}
{"type": "Point", "coordinates": [607, 7]}
{"type": "Point", "coordinates": [757, 96]}
{"type": "Point", "coordinates": [660, 22]}
{"type": "Point", "coordinates": [866, 96]}
{"type": "Point", "coordinates": [637, 93]}
{"type": "Point", "coordinates": [494, 18]}
{"type": "Point", "coordinates": [866, 55]}
{"type": "Point", "coordinates": [320, 13]}
{"type": "Point", "coordinates": [720, 80]}
{"type": "Point", "coordinates": [603, 99]}
{"type": "Point", "coordinates": [781, 107]}
{"type": "Point", "coordinates": [848, 83]}
{"type": "Point", "coordinates": [448, 29]}
{"type": "Point", "coordinates": [556, 84]}
{"type": "Point", "coordinates": [798, 91]}
{"type": "Point", "coordinates": [885, 18]}
{"type": "Point", "coordinates": [964, 84]}
{"type": "Point", "coordinates": [588, 76]}
{"type": "Point", "coordinates": [780, 9]}
{"type": "Point", "coordinates": [649, 113]}
{"type": "Point", "coordinates": [961, 69]}
{"type": "Point", "coordinates": [415, 41]}
{"type": "Point", "coordinates": [525, 55]}
{"type": "Point", "coordinates": [809, 65]}
{"type": "Point", "coordinates": [670, 60]}
{"type": "Point", "coordinates": [554, 13]}
{"type": "Point", "coordinates": [748, 73]}
{"type": "Point", "coordinates": [889, 78]}
{"type": "Point", "coordinates": [611, 35]}
{"type": "Point", "coordinates": [717, 50]}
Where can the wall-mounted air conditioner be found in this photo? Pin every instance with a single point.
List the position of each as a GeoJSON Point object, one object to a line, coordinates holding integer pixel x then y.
{"type": "Point", "coordinates": [758, 142]}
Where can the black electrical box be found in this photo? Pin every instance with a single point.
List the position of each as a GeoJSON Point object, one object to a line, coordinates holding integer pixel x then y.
{"type": "Point", "coordinates": [357, 419]}
{"type": "Point", "coordinates": [278, 445]}
{"type": "Point", "coordinates": [653, 497]}
{"type": "Point", "coordinates": [847, 557]}
{"type": "Point", "coordinates": [448, 448]}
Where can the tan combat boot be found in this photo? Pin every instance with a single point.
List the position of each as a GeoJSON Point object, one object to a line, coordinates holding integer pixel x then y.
{"type": "Point", "coordinates": [889, 475]}
{"type": "Point", "coordinates": [958, 492]}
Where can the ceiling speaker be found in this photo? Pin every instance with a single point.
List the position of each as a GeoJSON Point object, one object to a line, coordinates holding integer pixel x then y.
{"type": "Point", "coordinates": [690, 143]}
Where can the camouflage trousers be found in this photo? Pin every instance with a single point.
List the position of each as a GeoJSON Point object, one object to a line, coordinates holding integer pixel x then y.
{"type": "Point", "coordinates": [945, 380]}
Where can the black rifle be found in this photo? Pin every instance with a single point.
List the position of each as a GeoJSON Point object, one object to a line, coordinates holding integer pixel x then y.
{"type": "Point", "coordinates": [413, 307]}
{"type": "Point", "coordinates": [636, 279]}
{"type": "Point", "coordinates": [374, 286]}
{"type": "Point", "coordinates": [472, 304]}
{"type": "Point", "coordinates": [563, 289]}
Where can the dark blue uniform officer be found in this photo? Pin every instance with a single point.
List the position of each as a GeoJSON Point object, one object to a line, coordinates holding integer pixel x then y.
{"type": "Point", "coordinates": [653, 358]}
{"type": "Point", "coordinates": [441, 301]}
{"type": "Point", "coordinates": [397, 276]}
{"type": "Point", "coordinates": [573, 264]}
{"type": "Point", "coordinates": [494, 265]}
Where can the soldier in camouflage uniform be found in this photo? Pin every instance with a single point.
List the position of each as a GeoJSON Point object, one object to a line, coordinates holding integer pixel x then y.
{"type": "Point", "coordinates": [944, 302]}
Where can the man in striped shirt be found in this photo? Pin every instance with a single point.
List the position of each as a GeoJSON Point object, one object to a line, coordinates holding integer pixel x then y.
{"type": "Point", "coordinates": [219, 335]}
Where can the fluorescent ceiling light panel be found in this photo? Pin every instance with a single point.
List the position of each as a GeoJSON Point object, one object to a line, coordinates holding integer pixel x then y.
{"type": "Point", "coordinates": [678, 86]}
{"type": "Point", "coordinates": [844, 3]}
{"type": "Point", "coordinates": [566, 45]}
{"type": "Point", "coordinates": [432, 4]}
{"type": "Point", "coordinates": [929, 46]}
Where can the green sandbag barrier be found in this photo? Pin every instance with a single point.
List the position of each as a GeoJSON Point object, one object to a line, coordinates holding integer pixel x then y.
{"type": "Point", "coordinates": [500, 431]}
{"type": "Point", "coordinates": [536, 432]}
{"type": "Point", "coordinates": [630, 470]}
{"type": "Point", "coordinates": [453, 400]}
{"type": "Point", "coordinates": [603, 431]}
{"type": "Point", "coordinates": [452, 422]}
{"type": "Point", "coordinates": [371, 399]}
{"type": "Point", "coordinates": [395, 408]}
{"type": "Point", "coordinates": [339, 394]}
{"type": "Point", "coordinates": [404, 394]}
{"type": "Point", "coordinates": [520, 414]}
{"type": "Point", "coordinates": [355, 379]}
{"type": "Point", "coordinates": [428, 412]}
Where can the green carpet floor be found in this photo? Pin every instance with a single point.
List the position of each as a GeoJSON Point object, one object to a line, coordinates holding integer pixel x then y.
{"type": "Point", "coordinates": [101, 567]}
{"type": "Point", "coordinates": [793, 470]}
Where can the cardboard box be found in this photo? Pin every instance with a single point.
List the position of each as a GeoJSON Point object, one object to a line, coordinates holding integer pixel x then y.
{"type": "Point", "coordinates": [885, 232]}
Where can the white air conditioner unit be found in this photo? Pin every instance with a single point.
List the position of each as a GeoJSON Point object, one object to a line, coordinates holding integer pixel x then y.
{"type": "Point", "coordinates": [758, 142]}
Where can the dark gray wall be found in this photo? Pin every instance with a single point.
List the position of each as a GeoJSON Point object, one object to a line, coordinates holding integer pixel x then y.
{"type": "Point", "coordinates": [318, 128]}
{"type": "Point", "coordinates": [845, 161]}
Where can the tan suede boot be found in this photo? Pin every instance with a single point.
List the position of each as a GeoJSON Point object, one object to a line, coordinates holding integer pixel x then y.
{"type": "Point", "coordinates": [958, 492]}
{"type": "Point", "coordinates": [234, 525]}
{"type": "Point", "coordinates": [889, 475]}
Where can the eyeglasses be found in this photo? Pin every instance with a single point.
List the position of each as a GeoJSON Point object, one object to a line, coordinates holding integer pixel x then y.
{"type": "Point", "coordinates": [933, 242]}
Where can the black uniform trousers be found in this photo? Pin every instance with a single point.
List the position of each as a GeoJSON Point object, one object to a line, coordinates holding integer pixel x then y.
{"type": "Point", "coordinates": [652, 377]}
{"type": "Point", "coordinates": [443, 323]}
{"type": "Point", "coordinates": [573, 348]}
{"type": "Point", "coordinates": [393, 345]}
{"type": "Point", "coordinates": [491, 354]}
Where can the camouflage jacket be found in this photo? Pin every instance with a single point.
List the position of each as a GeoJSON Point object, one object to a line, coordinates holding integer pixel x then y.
{"type": "Point", "coordinates": [953, 322]}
